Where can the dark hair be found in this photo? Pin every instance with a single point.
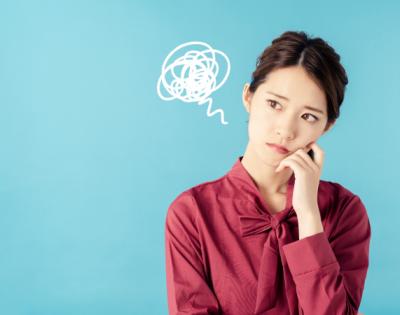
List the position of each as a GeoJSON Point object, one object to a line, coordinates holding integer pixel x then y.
{"type": "Point", "coordinates": [319, 60]}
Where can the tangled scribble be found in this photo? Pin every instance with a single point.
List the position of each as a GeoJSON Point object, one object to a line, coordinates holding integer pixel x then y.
{"type": "Point", "coordinates": [191, 75]}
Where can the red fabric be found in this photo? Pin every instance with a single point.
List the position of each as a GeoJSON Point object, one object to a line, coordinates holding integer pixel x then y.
{"type": "Point", "coordinates": [226, 254]}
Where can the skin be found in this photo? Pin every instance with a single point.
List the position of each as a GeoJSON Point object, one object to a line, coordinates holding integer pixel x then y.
{"type": "Point", "coordinates": [287, 123]}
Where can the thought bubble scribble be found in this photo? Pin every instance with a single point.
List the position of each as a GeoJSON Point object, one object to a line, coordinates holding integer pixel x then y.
{"type": "Point", "coordinates": [191, 75]}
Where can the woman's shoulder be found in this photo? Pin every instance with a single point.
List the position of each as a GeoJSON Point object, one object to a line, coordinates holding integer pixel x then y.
{"type": "Point", "coordinates": [344, 212]}
{"type": "Point", "coordinates": [336, 190]}
{"type": "Point", "coordinates": [339, 199]}
{"type": "Point", "coordinates": [200, 190]}
{"type": "Point", "coordinates": [188, 200]}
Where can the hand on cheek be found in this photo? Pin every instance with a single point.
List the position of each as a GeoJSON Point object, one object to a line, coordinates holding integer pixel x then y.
{"type": "Point", "coordinates": [307, 175]}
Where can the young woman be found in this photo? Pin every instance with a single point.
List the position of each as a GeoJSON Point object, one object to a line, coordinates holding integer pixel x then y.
{"type": "Point", "coordinates": [271, 237]}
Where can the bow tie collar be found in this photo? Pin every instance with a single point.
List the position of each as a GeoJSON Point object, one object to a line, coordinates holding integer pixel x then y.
{"type": "Point", "coordinates": [261, 220]}
{"type": "Point", "coordinates": [251, 224]}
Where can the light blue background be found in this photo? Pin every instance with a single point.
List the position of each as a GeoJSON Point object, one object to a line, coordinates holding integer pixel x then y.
{"type": "Point", "coordinates": [91, 157]}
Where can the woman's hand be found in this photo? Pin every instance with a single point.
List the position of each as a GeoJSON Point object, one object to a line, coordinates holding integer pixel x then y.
{"type": "Point", "coordinates": [307, 175]}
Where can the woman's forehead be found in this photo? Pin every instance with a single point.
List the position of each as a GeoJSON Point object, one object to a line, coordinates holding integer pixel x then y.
{"type": "Point", "coordinates": [293, 86]}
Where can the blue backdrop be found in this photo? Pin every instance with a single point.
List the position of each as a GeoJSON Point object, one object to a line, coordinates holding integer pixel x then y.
{"type": "Point", "coordinates": [91, 156]}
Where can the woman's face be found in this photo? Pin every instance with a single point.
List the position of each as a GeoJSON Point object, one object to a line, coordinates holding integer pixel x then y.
{"type": "Point", "coordinates": [285, 121]}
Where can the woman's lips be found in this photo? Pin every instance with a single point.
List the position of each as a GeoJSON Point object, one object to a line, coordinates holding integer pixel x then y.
{"type": "Point", "coordinates": [278, 148]}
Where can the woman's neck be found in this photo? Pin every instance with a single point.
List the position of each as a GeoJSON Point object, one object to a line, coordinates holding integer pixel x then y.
{"type": "Point", "coordinates": [263, 173]}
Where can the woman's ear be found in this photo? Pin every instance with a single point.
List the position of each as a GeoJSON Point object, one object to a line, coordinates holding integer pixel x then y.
{"type": "Point", "coordinates": [246, 97]}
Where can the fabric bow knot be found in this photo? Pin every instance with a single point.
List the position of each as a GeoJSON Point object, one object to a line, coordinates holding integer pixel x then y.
{"type": "Point", "coordinates": [270, 268]}
{"type": "Point", "coordinates": [254, 224]}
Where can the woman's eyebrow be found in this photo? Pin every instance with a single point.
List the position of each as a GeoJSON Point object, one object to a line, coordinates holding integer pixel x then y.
{"type": "Point", "coordinates": [306, 106]}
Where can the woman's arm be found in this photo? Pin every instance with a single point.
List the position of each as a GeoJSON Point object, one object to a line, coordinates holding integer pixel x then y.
{"type": "Point", "coordinates": [330, 274]}
{"type": "Point", "coordinates": [188, 290]}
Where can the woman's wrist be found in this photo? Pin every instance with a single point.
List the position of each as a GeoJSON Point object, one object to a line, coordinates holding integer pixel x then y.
{"type": "Point", "coordinates": [309, 224]}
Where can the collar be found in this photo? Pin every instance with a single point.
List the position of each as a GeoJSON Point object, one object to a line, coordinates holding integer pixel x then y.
{"type": "Point", "coordinates": [264, 220]}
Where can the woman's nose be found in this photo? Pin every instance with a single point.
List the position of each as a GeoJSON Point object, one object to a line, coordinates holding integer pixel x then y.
{"type": "Point", "coordinates": [285, 128]}
{"type": "Point", "coordinates": [286, 134]}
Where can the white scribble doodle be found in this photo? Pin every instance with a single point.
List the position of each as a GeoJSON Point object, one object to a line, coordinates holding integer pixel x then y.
{"type": "Point", "coordinates": [192, 76]}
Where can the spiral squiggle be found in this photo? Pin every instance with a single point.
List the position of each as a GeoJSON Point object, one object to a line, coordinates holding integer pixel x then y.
{"type": "Point", "coordinates": [192, 76]}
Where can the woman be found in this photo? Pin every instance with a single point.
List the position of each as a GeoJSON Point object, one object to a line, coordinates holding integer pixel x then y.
{"type": "Point", "coordinates": [270, 237]}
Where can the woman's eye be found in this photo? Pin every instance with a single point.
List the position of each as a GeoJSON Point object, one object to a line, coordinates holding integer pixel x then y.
{"type": "Point", "coordinates": [309, 115]}
{"type": "Point", "coordinates": [274, 103]}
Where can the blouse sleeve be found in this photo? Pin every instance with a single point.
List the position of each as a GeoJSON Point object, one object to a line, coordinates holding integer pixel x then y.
{"type": "Point", "coordinates": [330, 274]}
{"type": "Point", "coordinates": [187, 287]}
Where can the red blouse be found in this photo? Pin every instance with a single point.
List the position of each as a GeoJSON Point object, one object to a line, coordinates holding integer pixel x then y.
{"type": "Point", "coordinates": [226, 254]}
